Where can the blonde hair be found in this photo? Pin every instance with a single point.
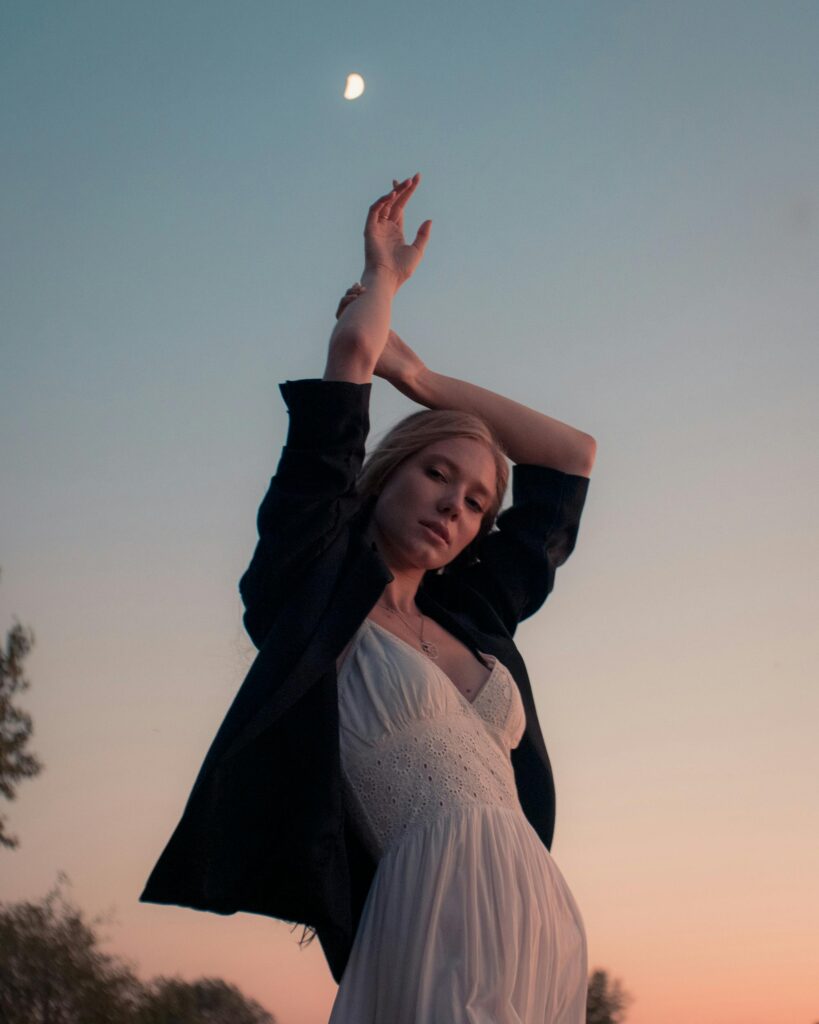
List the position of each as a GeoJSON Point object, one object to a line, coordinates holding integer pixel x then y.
{"type": "Point", "coordinates": [420, 429]}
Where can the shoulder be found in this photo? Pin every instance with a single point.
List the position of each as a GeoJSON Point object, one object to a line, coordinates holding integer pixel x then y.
{"type": "Point", "coordinates": [513, 567]}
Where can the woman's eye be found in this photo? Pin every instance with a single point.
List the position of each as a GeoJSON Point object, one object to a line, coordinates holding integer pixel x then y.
{"type": "Point", "coordinates": [437, 473]}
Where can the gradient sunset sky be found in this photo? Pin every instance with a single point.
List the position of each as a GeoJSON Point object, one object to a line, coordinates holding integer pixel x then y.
{"type": "Point", "coordinates": [625, 207]}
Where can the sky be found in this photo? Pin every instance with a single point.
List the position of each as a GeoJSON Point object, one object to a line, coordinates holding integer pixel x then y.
{"type": "Point", "coordinates": [625, 236]}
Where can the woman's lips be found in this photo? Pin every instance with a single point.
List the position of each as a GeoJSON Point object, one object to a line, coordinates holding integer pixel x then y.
{"type": "Point", "coordinates": [434, 533]}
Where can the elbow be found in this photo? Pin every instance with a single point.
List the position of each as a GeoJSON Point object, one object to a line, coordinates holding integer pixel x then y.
{"type": "Point", "coordinates": [349, 358]}
{"type": "Point", "coordinates": [346, 339]}
{"type": "Point", "coordinates": [588, 455]}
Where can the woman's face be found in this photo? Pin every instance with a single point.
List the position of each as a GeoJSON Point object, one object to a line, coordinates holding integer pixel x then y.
{"type": "Point", "coordinates": [432, 506]}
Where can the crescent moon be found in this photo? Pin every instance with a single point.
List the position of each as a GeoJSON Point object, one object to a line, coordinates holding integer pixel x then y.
{"type": "Point", "coordinates": [354, 87]}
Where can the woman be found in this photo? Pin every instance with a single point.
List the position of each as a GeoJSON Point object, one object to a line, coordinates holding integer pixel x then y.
{"type": "Point", "coordinates": [381, 775]}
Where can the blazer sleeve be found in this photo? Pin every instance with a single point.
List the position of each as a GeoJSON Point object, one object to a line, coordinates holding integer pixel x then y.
{"type": "Point", "coordinates": [516, 562]}
{"type": "Point", "coordinates": [312, 494]}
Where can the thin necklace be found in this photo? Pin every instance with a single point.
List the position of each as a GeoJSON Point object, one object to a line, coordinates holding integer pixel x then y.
{"type": "Point", "coordinates": [427, 647]}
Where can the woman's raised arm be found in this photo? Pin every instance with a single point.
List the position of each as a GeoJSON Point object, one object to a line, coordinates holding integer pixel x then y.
{"type": "Point", "coordinates": [360, 334]}
{"type": "Point", "coordinates": [529, 437]}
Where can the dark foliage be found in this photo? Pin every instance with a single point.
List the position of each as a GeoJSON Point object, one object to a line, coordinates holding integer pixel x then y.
{"type": "Point", "coordinates": [52, 971]}
{"type": "Point", "coordinates": [607, 1002]}
{"type": "Point", "coordinates": [16, 763]}
{"type": "Point", "coordinates": [207, 1001]}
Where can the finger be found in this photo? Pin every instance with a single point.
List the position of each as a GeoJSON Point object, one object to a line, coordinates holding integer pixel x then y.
{"type": "Point", "coordinates": [345, 302]}
{"type": "Point", "coordinates": [422, 237]}
{"type": "Point", "coordinates": [377, 208]}
{"type": "Point", "coordinates": [384, 201]}
{"type": "Point", "coordinates": [399, 189]}
{"type": "Point", "coordinates": [349, 296]}
{"type": "Point", "coordinates": [388, 211]}
{"type": "Point", "coordinates": [382, 208]}
{"type": "Point", "coordinates": [394, 209]}
{"type": "Point", "coordinates": [381, 199]}
{"type": "Point", "coordinates": [404, 188]}
{"type": "Point", "coordinates": [403, 196]}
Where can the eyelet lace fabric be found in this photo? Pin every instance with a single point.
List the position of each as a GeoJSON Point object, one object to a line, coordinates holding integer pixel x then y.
{"type": "Point", "coordinates": [417, 748]}
{"type": "Point", "coordinates": [468, 919]}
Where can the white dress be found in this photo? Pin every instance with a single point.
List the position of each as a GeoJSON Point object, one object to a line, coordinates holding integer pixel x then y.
{"type": "Point", "coordinates": [468, 919]}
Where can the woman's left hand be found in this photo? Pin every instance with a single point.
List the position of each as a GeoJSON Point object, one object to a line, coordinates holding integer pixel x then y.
{"type": "Point", "coordinates": [397, 363]}
{"type": "Point", "coordinates": [384, 246]}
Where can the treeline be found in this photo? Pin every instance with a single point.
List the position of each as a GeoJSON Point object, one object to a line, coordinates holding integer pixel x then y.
{"type": "Point", "coordinates": [53, 971]}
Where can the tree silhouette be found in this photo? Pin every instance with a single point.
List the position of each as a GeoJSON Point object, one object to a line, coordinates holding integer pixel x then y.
{"type": "Point", "coordinates": [53, 971]}
{"type": "Point", "coordinates": [207, 1001]}
{"type": "Point", "coordinates": [607, 1002]}
{"type": "Point", "coordinates": [15, 725]}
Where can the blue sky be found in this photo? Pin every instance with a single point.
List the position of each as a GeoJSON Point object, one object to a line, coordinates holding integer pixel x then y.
{"type": "Point", "coordinates": [625, 236]}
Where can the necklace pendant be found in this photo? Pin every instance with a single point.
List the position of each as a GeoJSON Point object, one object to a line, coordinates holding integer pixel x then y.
{"type": "Point", "coordinates": [429, 649]}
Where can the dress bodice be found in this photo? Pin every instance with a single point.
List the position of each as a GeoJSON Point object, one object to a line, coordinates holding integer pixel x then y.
{"type": "Point", "coordinates": [412, 746]}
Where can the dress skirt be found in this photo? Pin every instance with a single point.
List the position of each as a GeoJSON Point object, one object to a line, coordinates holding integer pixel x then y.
{"type": "Point", "coordinates": [468, 919]}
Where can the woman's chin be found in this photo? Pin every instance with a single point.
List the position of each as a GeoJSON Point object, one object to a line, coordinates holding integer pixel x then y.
{"type": "Point", "coordinates": [423, 560]}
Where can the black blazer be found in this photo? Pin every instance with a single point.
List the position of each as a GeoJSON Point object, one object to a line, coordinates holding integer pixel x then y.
{"type": "Point", "coordinates": [265, 828]}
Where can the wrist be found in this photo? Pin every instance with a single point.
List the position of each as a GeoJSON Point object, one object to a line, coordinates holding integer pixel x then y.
{"type": "Point", "coordinates": [377, 275]}
{"type": "Point", "coordinates": [416, 384]}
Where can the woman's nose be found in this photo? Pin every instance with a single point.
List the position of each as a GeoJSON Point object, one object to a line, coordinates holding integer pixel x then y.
{"type": "Point", "coordinates": [450, 504]}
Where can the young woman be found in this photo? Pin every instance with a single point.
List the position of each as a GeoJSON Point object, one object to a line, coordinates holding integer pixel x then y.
{"type": "Point", "coordinates": [381, 775]}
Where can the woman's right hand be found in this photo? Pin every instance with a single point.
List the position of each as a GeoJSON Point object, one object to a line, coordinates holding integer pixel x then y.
{"type": "Point", "coordinates": [384, 245]}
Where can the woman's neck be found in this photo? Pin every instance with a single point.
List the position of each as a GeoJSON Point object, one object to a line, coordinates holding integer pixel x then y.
{"type": "Point", "coordinates": [399, 595]}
